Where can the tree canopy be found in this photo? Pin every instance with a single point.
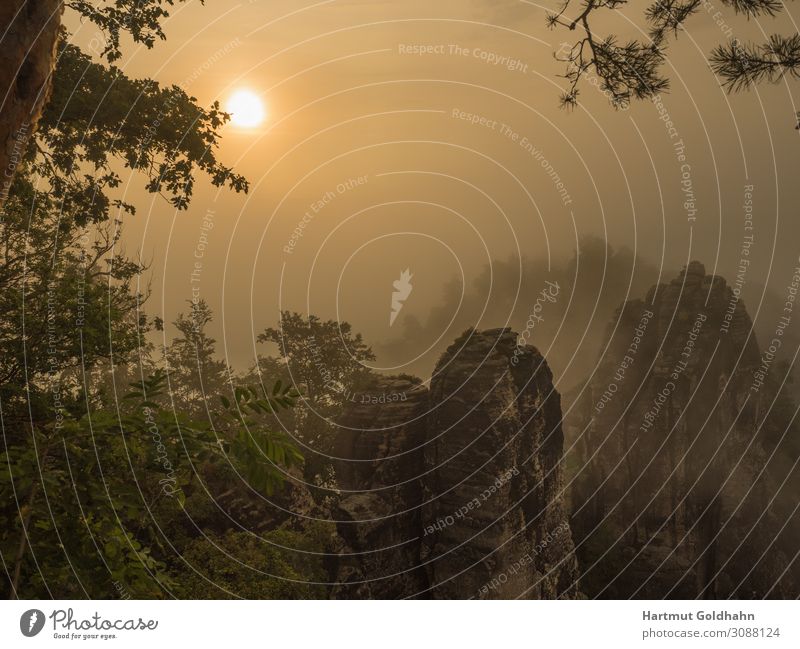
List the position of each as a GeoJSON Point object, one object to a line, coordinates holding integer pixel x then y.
{"type": "Point", "coordinates": [112, 454]}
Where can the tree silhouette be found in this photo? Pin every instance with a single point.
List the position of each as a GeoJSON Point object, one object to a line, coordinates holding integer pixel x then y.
{"type": "Point", "coordinates": [633, 69]}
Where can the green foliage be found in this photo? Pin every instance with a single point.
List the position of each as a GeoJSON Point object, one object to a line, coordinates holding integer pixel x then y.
{"type": "Point", "coordinates": [326, 360]}
{"type": "Point", "coordinates": [95, 485]}
{"type": "Point", "coordinates": [98, 118]}
{"type": "Point", "coordinates": [61, 289]}
{"type": "Point", "coordinates": [323, 356]}
{"type": "Point", "coordinates": [141, 19]}
{"type": "Point", "coordinates": [260, 453]}
{"type": "Point", "coordinates": [97, 491]}
{"type": "Point", "coordinates": [238, 564]}
{"type": "Point", "coordinates": [195, 371]}
{"type": "Point", "coordinates": [87, 487]}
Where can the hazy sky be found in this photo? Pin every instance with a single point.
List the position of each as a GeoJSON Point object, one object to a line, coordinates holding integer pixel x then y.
{"type": "Point", "coordinates": [376, 145]}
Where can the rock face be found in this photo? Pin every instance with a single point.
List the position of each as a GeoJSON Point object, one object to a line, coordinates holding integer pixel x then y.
{"type": "Point", "coordinates": [494, 461]}
{"type": "Point", "coordinates": [379, 472]}
{"type": "Point", "coordinates": [236, 503]}
{"type": "Point", "coordinates": [670, 494]}
{"type": "Point", "coordinates": [460, 488]}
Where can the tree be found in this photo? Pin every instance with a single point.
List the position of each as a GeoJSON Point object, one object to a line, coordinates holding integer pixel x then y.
{"type": "Point", "coordinates": [91, 482]}
{"type": "Point", "coordinates": [65, 303]}
{"type": "Point", "coordinates": [68, 303]}
{"type": "Point", "coordinates": [88, 520]}
{"type": "Point", "coordinates": [632, 70]}
{"type": "Point", "coordinates": [113, 481]}
{"type": "Point", "coordinates": [325, 360]}
{"type": "Point", "coordinates": [98, 116]}
{"type": "Point", "coordinates": [196, 375]}
{"type": "Point", "coordinates": [29, 33]}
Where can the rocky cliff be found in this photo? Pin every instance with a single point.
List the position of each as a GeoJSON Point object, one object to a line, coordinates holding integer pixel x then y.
{"type": "Point", "coordinates": [457, 492]}
{"type": "Point", "coordinates": [671, 494]}
{"type": "Point", "coordinates": [379, 471]}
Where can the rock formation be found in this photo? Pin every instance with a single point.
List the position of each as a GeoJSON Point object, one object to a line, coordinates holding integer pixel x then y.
{"type": "Point", "coordinates": [380, 447]}
{"type": "Point", "coordinates": [457, 492]}
{"type": "Point", "coordinates": [494, 461]}
{"type": "Point", "coordinates": [670, 492]}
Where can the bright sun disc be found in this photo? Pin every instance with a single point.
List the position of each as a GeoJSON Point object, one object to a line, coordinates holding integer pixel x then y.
{"type": "Point", "coordinates": [245, 108]}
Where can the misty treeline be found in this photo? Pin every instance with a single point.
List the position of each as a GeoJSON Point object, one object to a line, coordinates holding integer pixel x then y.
{"type": "Point", "coordinates": [583, 291]}
{"type": "Point", "coordinates": [139, 470]}
{"type": "Point", "coordinates": [123, 468]}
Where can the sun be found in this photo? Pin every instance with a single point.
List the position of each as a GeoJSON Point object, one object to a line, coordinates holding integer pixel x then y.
{"type": "Point", "coordinates": [246, 109]}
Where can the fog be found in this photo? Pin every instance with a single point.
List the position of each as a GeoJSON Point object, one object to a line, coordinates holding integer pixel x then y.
{"type": "Point", "coordinates": [429, 137]}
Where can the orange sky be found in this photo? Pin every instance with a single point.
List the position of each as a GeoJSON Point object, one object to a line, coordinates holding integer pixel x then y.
{"type": "Point", "coordinates": [443, 160]}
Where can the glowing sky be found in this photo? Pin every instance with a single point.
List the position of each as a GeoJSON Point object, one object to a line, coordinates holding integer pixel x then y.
{"type": "Point", "coordinates": [441, 120]}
